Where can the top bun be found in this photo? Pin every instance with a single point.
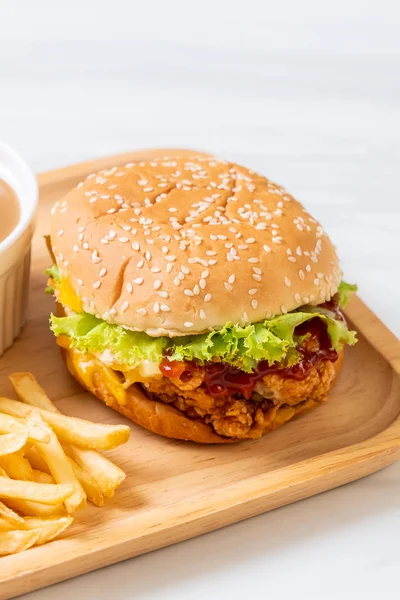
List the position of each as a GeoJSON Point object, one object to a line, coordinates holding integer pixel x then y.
{"type": "Point", "coordinates": [176, 246]}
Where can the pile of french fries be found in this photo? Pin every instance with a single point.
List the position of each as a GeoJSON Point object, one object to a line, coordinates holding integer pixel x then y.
{"type": "Point", "coordinates": [49, 466]}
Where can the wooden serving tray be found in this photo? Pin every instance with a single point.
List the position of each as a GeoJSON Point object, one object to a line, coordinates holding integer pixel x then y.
{"type": "Point", "coordinates": [174, 490]}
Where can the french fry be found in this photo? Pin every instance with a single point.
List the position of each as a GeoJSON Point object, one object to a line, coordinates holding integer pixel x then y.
{"type": "Point", "coordinates": [98, 475]}
{"type": "Point", "coordinates": [7, 526]}
{"type": "Point", "coordinates": [10, 424]}
{"type": "Point", "coordinates": [12, 442]}
{"type": "Point", "coordinates": [36, 460]}
{"type": "Point", "coordinates": [89, 484]}
{"type": "Point", "coordinates": [105, 472]}
{"type": "Point", "coordinates": [76, 431]}
{"type": "Point", "coordinates": [44, 493]}
{"type": "Point", "coordinates": [16, 466]}
{"type": "Point", "coordinates": [7, 514]}
{"type": "Point", "coordinates": [36, 509]}
{"type": "Point", "coordinates": [49, 528]}
{"type": "Point", "coordinates": [12, 542]}
{"type": "Point", "coordinates": [41, 477]}
{"type": "Point", "coordinates": [29, 391]}
{"type": "Point", "coordinates": [59, 465]}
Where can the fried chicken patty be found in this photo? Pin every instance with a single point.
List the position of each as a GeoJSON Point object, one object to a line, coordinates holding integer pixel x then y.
{"type": "Point", "coordinates": [275, 399]}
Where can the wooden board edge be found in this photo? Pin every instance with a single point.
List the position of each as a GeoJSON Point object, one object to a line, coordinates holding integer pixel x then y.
{"type": "Point", "coordinates": [203, 521]}
{"type": "Point", "coordinates": [376, 332]}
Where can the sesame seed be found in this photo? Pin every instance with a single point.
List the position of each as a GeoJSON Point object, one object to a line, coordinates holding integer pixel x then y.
{"type": "Point", "coordinates": [297, 297]}
{"type": "Point", "coordinates": [267, 248]}
{"type": "Point", "coordinates": [207, 298]}
{"type": "Point", "coordinates": [202, 314]}
{"type": "Point", "coordinates": [140, 263]}
{"type": "Point", "coordinates": [252, 291]}
{"type": "Point", "coordinates": [288, 283]}
{"type": "Point", "coordinates": [163, 294]}
{"type": "Point", "coordinates": [256, 277]}
{"type": "Point", "coordinates": [95, 257]}
{"type": "Point", "coordinates": [156, 307]}
{"type": "Point", "coordinates": [141, 311]}
{"type": "Point", "coordinates": [97, 284]}
{"type": "Point", "coordinates": [231, 278]}
{"type": "Point", "coordinates": [123, 240]}
{"type": "Point", "coordinates": [177, 281]}
{"type": "Point", "coordinates": [301, 275]}
{"type": "Point", "coordinates": [124, 306]}
{"type": "Point", "coordinates": [188, 324]}
{"type": "Point", "coordinates": [157, 284]}
{"type": "Point", "coordinates": [129, 287]}
{"type": "Point", "coordinates": [252, 260]}
{"type": "Point", "coordinates": [254, 304]}
{"type": "Point", "coordinates": [138, 280]}
{"type": "Point", "coordinates": [136, 246]}
{"type": "Point", "coordinates": [227, 286]}
{"type": "Point", "coordinates": [85, 246]}
{"type": "Point", "coordinates": [103, 272]}
{"type": "Point", "coordinates": [76, 248]}
{"type": "Point", "coordinates": [155, 270]}
{"type": "Point", "coordinates": [308, 268]}
{"type": "Point", "coordinates": [188, 292]}
{"type": "Point", "coordinates": [165, 307]}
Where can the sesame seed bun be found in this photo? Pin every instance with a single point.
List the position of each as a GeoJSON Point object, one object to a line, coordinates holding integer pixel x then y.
{"type": "Point", "coordinates": [164, 419]}
{"type": "Point", "coordinates": [178, 246]}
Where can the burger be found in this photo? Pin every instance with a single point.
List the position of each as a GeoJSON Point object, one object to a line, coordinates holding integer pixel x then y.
{"type": "Point", "coordinates": [197, 298]}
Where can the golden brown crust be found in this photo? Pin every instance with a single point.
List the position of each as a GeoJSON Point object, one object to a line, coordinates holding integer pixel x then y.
{"type": "Point", "coordinates": [166, 420]}
{"type": "Point", "coordinates": [180, 246]}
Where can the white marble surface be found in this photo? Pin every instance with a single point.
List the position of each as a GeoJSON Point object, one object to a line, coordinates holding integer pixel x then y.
{"type": "Point", "coordinates": [309, 93]}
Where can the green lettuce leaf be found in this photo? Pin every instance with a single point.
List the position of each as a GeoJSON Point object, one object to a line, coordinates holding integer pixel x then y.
{"type": "Point", "coordinates": [241, 346]}
{"type": "Point", "coordinates": [54, 273]}
{"type": "Point", "coordinates": [89, 334]}
{"type": "Point", "coordinates": [344, 291]}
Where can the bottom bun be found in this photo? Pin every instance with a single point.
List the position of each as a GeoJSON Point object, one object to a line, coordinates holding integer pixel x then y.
{"type": "Point", "coordinates": [161, 418]}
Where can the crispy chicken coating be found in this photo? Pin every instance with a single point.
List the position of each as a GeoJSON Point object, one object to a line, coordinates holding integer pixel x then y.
{"type": "Point", "coordinates": [275, 400]}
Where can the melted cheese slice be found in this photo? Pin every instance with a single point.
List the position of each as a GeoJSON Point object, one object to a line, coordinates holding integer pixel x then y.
{"type": "Point", "coordinates": [89, 369]}
{"type": "Point", "coordinates": [67, 296]}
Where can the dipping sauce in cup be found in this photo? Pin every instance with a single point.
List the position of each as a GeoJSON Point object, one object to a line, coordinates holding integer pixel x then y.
{"type": "Point", "coordinates": [18, 204]}
{"type": "Point", "coordinates": [9, 210]}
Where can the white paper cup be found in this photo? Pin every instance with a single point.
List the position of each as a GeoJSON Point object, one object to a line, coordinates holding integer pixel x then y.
{"type": "Point", "coordinates": [15, 250]}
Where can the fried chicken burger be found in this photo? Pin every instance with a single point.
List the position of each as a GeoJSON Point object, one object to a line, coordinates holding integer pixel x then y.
{"type": "Point", "coordinates": [198, 298]}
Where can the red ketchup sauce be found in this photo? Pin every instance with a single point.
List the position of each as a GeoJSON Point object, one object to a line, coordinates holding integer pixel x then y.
{"type": "Point", "coordinates": [222, 379]}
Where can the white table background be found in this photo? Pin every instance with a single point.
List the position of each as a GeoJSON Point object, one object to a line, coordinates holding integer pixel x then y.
{"type": "Point", "coordinates": [307, 92]}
